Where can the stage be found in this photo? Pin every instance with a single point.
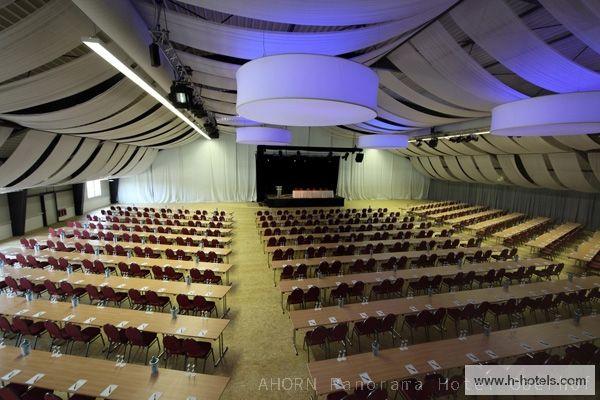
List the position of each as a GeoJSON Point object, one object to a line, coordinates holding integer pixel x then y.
{"type": "Point", "coordinates": [286, 201]}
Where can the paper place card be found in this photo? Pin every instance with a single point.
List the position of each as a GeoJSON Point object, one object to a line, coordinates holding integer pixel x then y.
{"type": "Point", "coordinates": [457, 302]}
{"type": "Point", "coordinates": [434, 365]}
{"type": "Point", "coordinates": [429, 306]}
{"type": "Point", "coordinates": [202, 333]}
{"type": "Point", "coordinates": [380, 313]}
{"type": "Point", "coordinates": [587, 334]}
{"type": "Point", "coordinates": [363, 315]}
{"type": "Point", "coordinates": [23, 311]}
{"type": "Point", "coordinates": [121, 286]}
{"type": "Point", "coordinates": [143, 326]}
{"type": "Point", "coordinates": [80, 281]}
{"type": "Point", "coordinates": [544, 343]}
{"type": "Point", "coordinates": [109, 389]}
{"type": "Point", "coordinates": [103, 284]}
{"type": "Point", "coordinates": [122, 324]}
{"type": "Point", "coordinates": [144, 288]}
{"type": "Point", "coordinates": [411, 369]}
{"type": "Point", "coordinates": [155, 396]}
{"type": "Point", "coordinates": [337, 383]}
{"type": "Point", "coordinates": [38, 314]}
{"type": "Point", "coordinates": [34, 379]}
{"type": "Point", "coordinates": [162, 289]}
{"type": "Point", "coordinates": [11, 374]}
{"type": "Point", "coordinates": [338, 283]}
{"type": "Point", "coordinates": [180, 330]}
{"type": "Point", "coordinates": [378, 279]}
{"type": "Point", "coordinates": [364, 376]}
{"type": "Point", "coordinates": [100, 305]}
{"type": "Point", "coordinates": [353, 281]}
{"type": "Point", "coordinates": [526, 346]}
{"type": "Point", "coordinates": [472, 357]}
{"type": "Point", "coordinates": [333, 320]}
{"type": "Point", "coordinates": [89, 320]}
{"type": "Point", "coordinates": [144, 263]}
{"type": "Point", "coordinates": [68, 317]}
{"type": "Point", "coordinates": [40, 278]}
{"type": "Point", "coordinates": [76, 258]}
{"type": "Point", "coordinates": [574, 338]}
{"type": "Point", "coordinates": [208, 294]}
{"type": "Point", "coordinates": [491, 354]}
{"type": "Point", "coordinates": [109, 261]}
{"type": "Point", "coordinates": [191, 293]}
{"type": "Point", "coordinates": [78, 384]}
{"type": "Point", "coordinates": [413, 309]}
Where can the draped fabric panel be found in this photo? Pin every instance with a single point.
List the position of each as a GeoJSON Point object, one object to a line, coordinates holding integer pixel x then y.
{"type": "Point", "coordinates": [46, 34]}
{"type": "Point", "coordinates": [382, 175]}
{"type": "Point", "coordinates": [462, 148]}
{"type": "Point", "coordinates": [112, 162]}
{"type": "Point", "coordinates": [501, 33]}
{"type": "Point", "coordinates": [560, 205]}
{"type": "Point", "coordinates": [79, 158]}
{"type": "Point", "coordinates": [127, 157]}
{"type": "Point", "coordinates": [506, 144]}
{"type": "Point", "coordinates": [208, 66]}
{"type": "Point", "coordinates": [25, 155]}
{"type": "Point", "coordinates": [389, 81]}
{"type": "Point", "coordinates": [4, 134]}
{"type": "Point", "coordinates": [484, 146]}
{"type": "Point", "coordinates": [456, 170]}
{"type": "Point", "coordinates": [510, 169]}
{"type": "Point", "coordinates": [214, 81]}
{"type": "Point", "coordinates": [144, 163]}
{"type": "Point", "coordinates": [96, 164]}
{"type": "Point", "coordinates": [594, 159]}
{"type": "Point", "coordinates": [414, 117]}
{"type": "Point", "coordinates": [444, 54]}
{"type": "Point", "coordinates": [578, 18]}
{"type": "Point", "coordinates": [416, 164]}
{"type": "Point", "coordinates": [429, 168]}
{"type": "Point", "coordinates": [317, 12]}
{"type": "Point", "coordinates": [486, 166]}
{"type": "Point", "coordinates": [569, 168]}
{"type": "Point", "coordinates": [218, 95]}
{"type": "Point", "coordinates": [436, 163]}
{"type": "Point", "coordinates": [539, 145]}
{"type": "Point", "coordinates": [250, 43]}
{"type": "Point", "coordinates": [135, 160]}
{"type": "Point", "coordinates": [468, 165]}
{"type": "Point", "coordinates": [535, 165]}
{"type": "Point", "coordinates": [579, 142]}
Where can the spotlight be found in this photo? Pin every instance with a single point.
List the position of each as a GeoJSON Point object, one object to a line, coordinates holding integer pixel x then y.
{"type": "Point", "coordinates": [280, 153]}
{"type": "Point", "coordinates": [432, 143]}
{"type": "Point", "coordinates": [181, 94]}
{"type": "Point", "coordinates": [330, 154]}
{"type": "Point", "coordinates": [359, 157]}
{"type": "Point", "coordinates": [345, 156]}
{"type": "Point", "coordinates": [154, 54]}
{"type": "Point", "coordinates": [474, 137]}
{"type": "Point", "coordinates": [418, 143]}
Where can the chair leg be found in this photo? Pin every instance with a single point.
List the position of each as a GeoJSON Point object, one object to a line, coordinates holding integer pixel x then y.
{"type": "Point", "coordinates": [87, 348]}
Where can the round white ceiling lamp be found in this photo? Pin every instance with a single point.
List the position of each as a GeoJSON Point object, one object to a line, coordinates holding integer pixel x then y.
{"type": "Point", "coordinates": [383, 141]}
{"type": "Point", "coordinates": [263, 135]}
{"type": "Point", "coordinates": [553, 115]}
{"type": "Point", "coordinates": [306, 90]}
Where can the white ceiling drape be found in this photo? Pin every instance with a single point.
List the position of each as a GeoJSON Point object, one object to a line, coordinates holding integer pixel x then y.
{"type": "Point", "coordinates": [468, 165]}
{"type": "Point", "coordinates": [509, 167]}
{"type": "Point", "coordinates": [29, 150]}
{"type": "Point", "coordinates": [535, 165]}
{"type": "Point", "coordinates": [569, 168]}
{"type": "Point", "coordinates": [456, 170]}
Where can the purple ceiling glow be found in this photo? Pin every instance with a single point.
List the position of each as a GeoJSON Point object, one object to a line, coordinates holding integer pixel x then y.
{"type": "Point", "coordinates": [554, 115]}
{"type": "Point", "coordinates": [263, 135]}
{"type": "Point", "coordinates": [383, 141]}
{"type": "Point", "coordinates": [306, 90]}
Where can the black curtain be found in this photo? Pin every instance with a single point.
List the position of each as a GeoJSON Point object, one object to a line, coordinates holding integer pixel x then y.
{"type": "Point", "coordinates": [294, 172]}
{"type": "Point", "coordinates": [17, 208]}
{"type": "Point", "coordinates": [561, 205]}
{"type": "Point", "coordinates": [78, 198]}
{"type": "Point", "coordinates": [113, 188]}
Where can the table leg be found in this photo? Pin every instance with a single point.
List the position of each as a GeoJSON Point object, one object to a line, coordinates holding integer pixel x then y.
{"type": "Point", "coordinates": [225, 309]}
{"type": "Point", "coordinates": [274, 282]}
{"type": "Point", "coordinates": [227, 277]}
{"type": "Point", "coordinates": [294, 341]}
{"type": "Point", "coordinates": [222, 350]}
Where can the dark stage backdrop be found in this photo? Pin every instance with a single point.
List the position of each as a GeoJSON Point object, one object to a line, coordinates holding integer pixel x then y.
{"type": "Point", "coordinates": [294, 172]}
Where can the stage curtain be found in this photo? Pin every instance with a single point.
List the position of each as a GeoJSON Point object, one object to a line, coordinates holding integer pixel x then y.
{"type": "Point", "coordinates": [560, 205]}
{"type": "Point", "coordinates": [382, 175]}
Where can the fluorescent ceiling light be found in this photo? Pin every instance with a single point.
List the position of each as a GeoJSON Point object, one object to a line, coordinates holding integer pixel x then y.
{"type": "Point", "coordinates": [98, 47]}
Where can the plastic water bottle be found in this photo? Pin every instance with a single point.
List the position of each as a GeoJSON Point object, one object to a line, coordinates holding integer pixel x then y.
{"type": "Point", "coordinates": [25, 347]}
{"type": "Point", "coordinates": [577, 316]}
{"type": "Point", "coordinates": [486, 330]}
{"type": "Point", "coordinates": [340, 302]}
{"type": "Point", "coordinates": [28, 295]}
{"type": "Point", "coordinates": [74, 301]}
{"type": "Point", "coordinates": [154, 365]}
{"type": "Point", "coordinates": [96, 251]}
{"type": "Point", "coordinates": [505, 285]}
{"type": "Point", "coordinates": [375, 347]}
{"type": "Point", "coordinates": [174, 312]}
{"type": "Point", "coordinates": [188, 280]}
{"type": "Point", "coordinates": [69, 269]}
{"type": "Point", "coordinates": [106, 273]}
{"type": "Point", "coordinates": [62, 236]}
{"type": "Point", "coordinates": [36, 248]}
{"type": "Point", "coordinates": [570, 276]}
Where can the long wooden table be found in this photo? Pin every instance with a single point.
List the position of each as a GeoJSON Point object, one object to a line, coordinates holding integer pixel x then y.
{"type": "Point", "coordinates": [120, 283]}
{"type": "Point", "coordinates": [449, 214]}
{"type": "Point", "coordinates": [390, 364]}
{"type": "Point", "coordinates": [142, 221]}
{"type": "Point", "coordinates": [334, 228]}
{"type": "Point", "coordinates": [440, 208]}
{"type": "Point", "coordinates": [77, 258]}
{"type": "Point", "coordinates": [160, 323]}
{"type": "Point", "coordinates": [480, 227]}
{"type": "Point", "coordinates": [346, 235]}
{"type": "Point", "coordinates": [587, 250]}
{"type": "Point", "coordinates": [411, 255]}
{"type": "Point", "coordinates": [331, 220]}
{"type": "Point", "coordinates": [553, 235]}
{"type": "Point", "coordinates": [310, 318]}
{"type": "Point", "coordinates": [471, 217]}
{"type": "Point", "coordinates": [174, 228]}
{"type": "Point", "coordinates": [520, 228]}
{"type": "Point", "coordinates": [132, 381]}
{"type": "Point", "coordinates": [223, 240]}
{"type": "Point", "coordinates": [430, 205]}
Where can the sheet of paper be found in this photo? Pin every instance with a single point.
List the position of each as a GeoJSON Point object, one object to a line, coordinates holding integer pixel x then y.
{"type": "Point", "coordinates": [78, 384]}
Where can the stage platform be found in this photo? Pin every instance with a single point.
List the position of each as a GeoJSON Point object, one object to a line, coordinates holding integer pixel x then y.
{"type": "Point", "coordinates": [286, 201]}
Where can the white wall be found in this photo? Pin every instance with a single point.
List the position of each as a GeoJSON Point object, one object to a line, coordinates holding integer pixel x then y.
{"type": "Point", "coordinates": [5, 227]}
{"type": "Point", "coordinates": [221, 170]}
{"type": "Point", "coordinates": [97, 202]}
{"type": "Point", "coordinates": [65, 200]}
{"type": "Point", "coordinates": [33, 216]}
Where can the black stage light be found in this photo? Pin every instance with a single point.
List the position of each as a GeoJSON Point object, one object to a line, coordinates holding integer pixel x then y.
{"type": "Point", "coordinates": [418, 143]}
{"type": "Point", "coordinates": [154, 54]}
{"type": "Point", "coordinates": [181, 95]}
{"type": "Point", "coordinates": [359, 157]}
{"type": "Point", "coordinates": [345, 156]}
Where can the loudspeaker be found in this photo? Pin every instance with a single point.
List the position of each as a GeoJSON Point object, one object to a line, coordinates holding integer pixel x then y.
{"type": "Point", "coordinates": [360, 157]}
{"type": "Point", "coordinates": [154, 54]}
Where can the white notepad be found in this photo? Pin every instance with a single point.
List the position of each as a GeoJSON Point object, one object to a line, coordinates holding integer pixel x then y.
{"type": "Point", "coordinates": [11, 374]}
{"type": "Point", "coordinates": [109, 389]}
{"type": "Point", "coordinates": [34, 379]}
{"type": "Point", "coordinates": [78, 384]}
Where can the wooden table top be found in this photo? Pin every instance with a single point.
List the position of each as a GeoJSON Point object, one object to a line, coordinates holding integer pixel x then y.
{"type": "Point", "coordinates": [158, 322]}
{"type": "Point", "coordinates": [288, 285]}
{"type": "Point", "coordinates": [174, 228]}
{"type": "Point", "coordinates": [142, 221]}
{"type": "Point", "coordinates": [553, 235]}
{"type": "Point", "coordinates": [118, 283]}
{"type": "Point", "coordinates": [133, 381]}
{"type": "Point", "coordinates": [471, 217]}
{"type": "Point", "coordinates": [431, 204]}
{"type": "Point", "coordinates": [490, 223]}
{"type": "Point", "coordinates": [441, 208]}
{"type": "Point", "coordinates": [392, 232]}
{"type": "Point", "coordinates": [224, 240]}
{"type": "Point", "coordinates": [449, 214]}
{"type": "Point", "coordinates": [114, 260]}
{"type": "Point", "coordinates": [157, 248]}
{"type": "Point", "coordinates": [452, 353]}
{"type": "Point", "coordinates": [334, 227]}
{"type": "Point", "coordinates": [587, 250]}
{"type": "Point", "coordinates": [389, 242]}
{"type": "Point", "coordinates": [522, 227]}
{"type": "Point", "coordinates": [309, 318]}
{"type": "Point", "coordinates": [413, 254]}
{"type": "Point", "coordinates": [331, 221]}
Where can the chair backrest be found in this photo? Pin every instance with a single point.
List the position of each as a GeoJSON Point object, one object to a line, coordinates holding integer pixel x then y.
{"type": "Point", "coordinates": [53, 329]}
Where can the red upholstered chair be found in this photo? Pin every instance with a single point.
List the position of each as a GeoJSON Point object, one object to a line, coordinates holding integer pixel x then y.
{"type": "Point", "coordinates": [26, 327]}
{"type": "Point", "coordinates": [198, 350]}
{"type": "Point", "coordinates": [141, 339]}
{"type": "Point", "coordinates": [116, 338]}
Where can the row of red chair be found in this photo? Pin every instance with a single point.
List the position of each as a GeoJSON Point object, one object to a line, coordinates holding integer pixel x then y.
{"type": "Point", "coordinates": [129, 209]}
{"type": "Point", "coordinates": [430, 205]}
{"type": "Point", "coordinates": [525, 235]}
{"type": "Point", "coordinates": [127, 214]}
{"type": "Point", "coordinates": [215, 223]}
{"type": "Point", "coordinates": [345, 216]}
{"type": "Point", "coordinates": [321, 211]}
